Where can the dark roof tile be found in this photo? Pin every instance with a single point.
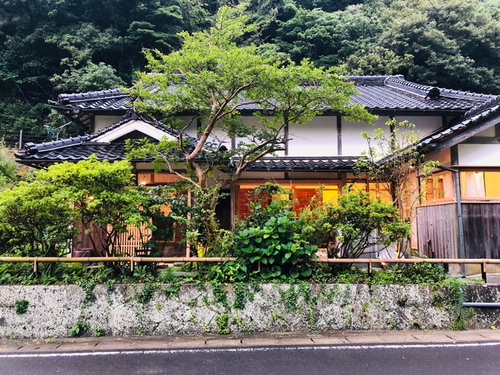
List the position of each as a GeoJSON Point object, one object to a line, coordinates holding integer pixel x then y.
{"type": "Point", "coordinates": [466, 121]}
{"type": "Point", "coordinates": [299, 163]}
{"type": "Point", "coordinates": [82, 151]}
{"type": "Point", "coordinates": [374, 93]}
{"type": "Point", "coordinates": [81, 147]}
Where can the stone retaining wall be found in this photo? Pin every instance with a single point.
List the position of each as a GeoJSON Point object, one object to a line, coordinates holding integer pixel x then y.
{"type": "Point", "coordinates": [150, 309]}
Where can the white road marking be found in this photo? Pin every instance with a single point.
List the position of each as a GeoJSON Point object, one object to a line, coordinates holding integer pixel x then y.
{"type": "Point", "coordinates": [239, 350]}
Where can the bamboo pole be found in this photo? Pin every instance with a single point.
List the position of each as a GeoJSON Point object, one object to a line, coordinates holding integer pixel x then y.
{"type": "Point", "coordinates": [133, 260]}
{"type": "Point", "coordinates": [233, 259]}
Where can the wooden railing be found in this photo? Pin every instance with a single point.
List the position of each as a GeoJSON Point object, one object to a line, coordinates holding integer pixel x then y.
{"type": "Point", "coordinates": [134, 260]}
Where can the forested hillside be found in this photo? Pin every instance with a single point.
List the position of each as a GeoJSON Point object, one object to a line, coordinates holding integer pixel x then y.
{"type": "Point", "coordinates": [53, 46]}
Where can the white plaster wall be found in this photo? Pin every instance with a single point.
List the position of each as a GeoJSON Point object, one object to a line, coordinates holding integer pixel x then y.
{"type": "Point", "coordinates": [191, 130]}
{"type": "Point", "coordinates": [220, 138]}
{"type": "Point", "coordinates": [490, 132]}
{"type": "Point", "coordinates": [353, 144]}
{"type": "Point", "coordinates": [479, 155]}
{"type": "Point", "coordinates": [253, 122]}
{"type": "Point", "coordinates": [317, 138]}
{"type": "Point", "coordinates": [101, 122]}
{"type": "Point", "coordinates": [424, 125]}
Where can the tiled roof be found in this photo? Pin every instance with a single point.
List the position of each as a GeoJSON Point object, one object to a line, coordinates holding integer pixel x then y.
{"type": "Point", "coordinates": [77, 152]}
{"type": "Point", "coordinates": [81, 147]}
{"type": "Point", "coordinates": [388, 93]}
{"type": "Point", "coordinates": [101, 100]}
{"type": "Point", "coordinates": [469, 120]}
{"type": "Point", "coordinates": [63, 143]}
{"type": "Point", "coordinates": [395, 93]}
{"type": "Point", "coordinates": [374, 93]}
{"type": "Point", "coordinates": [302, 163]}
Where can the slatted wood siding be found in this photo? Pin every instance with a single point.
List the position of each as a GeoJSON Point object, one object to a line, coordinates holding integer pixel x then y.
{"type": "Point", "coordinates": [127, 243]}
{"type": "Point", "coordinates": [437, 231]}
{"type": "Point", "coordinates": [482, 230]}
{"type": "Point", "coordinates": [439, 225]}
{"type": "Point", "coordinates": [133, 239]}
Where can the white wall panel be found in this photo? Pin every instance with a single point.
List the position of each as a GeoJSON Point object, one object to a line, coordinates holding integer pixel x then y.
{"type": "Point", "coordinates": [317, 138]}
{"type": "Point", "coordinates": [353, 144]}
{"type": "Point", "coordinates": [101, 122]}
{"type": "Point", "coordinates": [479, 155]}
{"type": "Point", "coordinates": [253, 122]}
{"type": "Point", "coordinates": [424, 125]}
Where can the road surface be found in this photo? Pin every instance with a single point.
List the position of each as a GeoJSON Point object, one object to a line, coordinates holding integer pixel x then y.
{"type": "Point", "coordinates": [417, 359]}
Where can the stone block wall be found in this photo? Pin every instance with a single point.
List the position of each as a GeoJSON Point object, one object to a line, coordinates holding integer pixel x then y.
{"type": "Point", "coordinates": [156, 309]}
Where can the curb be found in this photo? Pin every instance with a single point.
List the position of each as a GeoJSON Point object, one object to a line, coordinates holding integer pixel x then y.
{"type": "Point", "coordinates": [250, 340]}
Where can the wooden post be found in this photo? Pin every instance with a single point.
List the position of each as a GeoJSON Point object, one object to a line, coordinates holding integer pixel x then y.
{"type": "Point", "coordinates": [483, 271]}
{"type": "Point", "coordinates": [370, 268]}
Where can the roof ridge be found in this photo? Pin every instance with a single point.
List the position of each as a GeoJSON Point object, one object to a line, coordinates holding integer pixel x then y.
{"type": "Point", "coordinates": [467, 119]}
{"type": "Point", "coordinates": [81, 139]}
{"type": "Point", "coordinates": [479, 108]}
{"type": "Point", "coordinates": [370, 80]}
{"type": "Point", "coordinates": [423, 90]}
{"type": "Point", "coordinates": [102, 94]}
{"type": "Point", "coordinates": [53, 145]}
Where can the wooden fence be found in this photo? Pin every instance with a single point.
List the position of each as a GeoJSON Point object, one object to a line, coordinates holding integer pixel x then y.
{"type": "Point", "coordinates": [135, 260]}
{"type": "Point", "coordinates": [438, 234]}
{"type": "Point", "coordinates": [481, 230]}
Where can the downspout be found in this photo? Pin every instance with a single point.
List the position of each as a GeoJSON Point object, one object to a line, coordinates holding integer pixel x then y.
{"type": "Point", "coordinates": [460, 224]}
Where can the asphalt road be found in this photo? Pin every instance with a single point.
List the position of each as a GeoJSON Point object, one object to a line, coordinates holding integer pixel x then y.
{"type": "Point", "coordinates": [408, 359]}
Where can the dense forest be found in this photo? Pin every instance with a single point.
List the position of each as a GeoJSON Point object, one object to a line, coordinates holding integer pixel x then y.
{"type": "Point", "coordinates": [52, 46]}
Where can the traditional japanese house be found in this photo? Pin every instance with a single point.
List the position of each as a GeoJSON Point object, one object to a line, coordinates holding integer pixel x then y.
{"type": "Point", "coordinates": [459, 129]}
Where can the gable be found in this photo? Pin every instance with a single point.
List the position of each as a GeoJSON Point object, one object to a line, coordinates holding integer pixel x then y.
{"type": "Point", "coordinates": [132, 129]}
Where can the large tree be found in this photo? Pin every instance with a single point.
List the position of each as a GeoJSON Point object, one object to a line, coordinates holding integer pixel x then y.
{"type": "Point", "coordinates": [215, 79]}
{"type": "Point", "coordinates": [452, 43]}
{"type": "Point", "coordinates": [53, 46]}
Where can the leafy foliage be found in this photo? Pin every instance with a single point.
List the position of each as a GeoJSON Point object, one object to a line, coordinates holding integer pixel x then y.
{"type": "Point", "coordinates": [79, 329]}
{"type": "Point", "coordinates": [269, 243]}
{"type": "Point", "coordinates": [9, 169]}
{"type": "Point", "coordinates": [361, 222]}
{"type": "Point", "coordinates": [101, 197]}
{"type": "Point", "coordinates": [447, 49]}
{"type": "Point", "coordinates": [353, 226]}
{"type": "Point", "coordinates": [37, 217]}
{"type": "Point", "coordinates": [21, 306]}
{"type": "Point", "coordinates": [49, 46]}
{"type": "Point", "coordinates": [35, 220]}
{"type": "Point", "coordinates": [216, 79]}
{"type": "Point", "coordinates": [393, 161]}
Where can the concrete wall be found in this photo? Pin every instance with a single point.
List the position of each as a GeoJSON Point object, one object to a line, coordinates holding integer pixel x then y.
{"type": "Point", "coordinates": [127, 310]}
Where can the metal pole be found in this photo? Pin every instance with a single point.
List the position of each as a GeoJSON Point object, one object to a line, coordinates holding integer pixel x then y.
{"type": "Point", "coordinates": [21, 138]}
{"type": "Point", "coordinates": [481, 304]}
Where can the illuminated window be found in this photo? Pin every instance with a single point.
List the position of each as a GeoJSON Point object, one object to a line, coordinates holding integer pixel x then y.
{"type": "Point", "coordinates": [434, 188]}
{"type": "Point", "coordinates": [301, 194]}
{"type": "Point", "coordinates": [437, 186]}
{"type": "Point", "coordinates": [380, 190]}
{"type": "Point", "coordinates": [151, 178]}
{"type": "Point", "coordinates": [480, 184]}
{"type": "Point", "coordinates": [330, 194]}
{"type": "Point", "coordinates": [304, 194]}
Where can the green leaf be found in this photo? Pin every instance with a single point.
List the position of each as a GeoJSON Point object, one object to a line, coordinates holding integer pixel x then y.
{"type": "Point", "coordinates": [294, 273]}
{"type": "Point", "coordinates": [306, 271]}
{"type": "Point", "coordinates": [255, 258]}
